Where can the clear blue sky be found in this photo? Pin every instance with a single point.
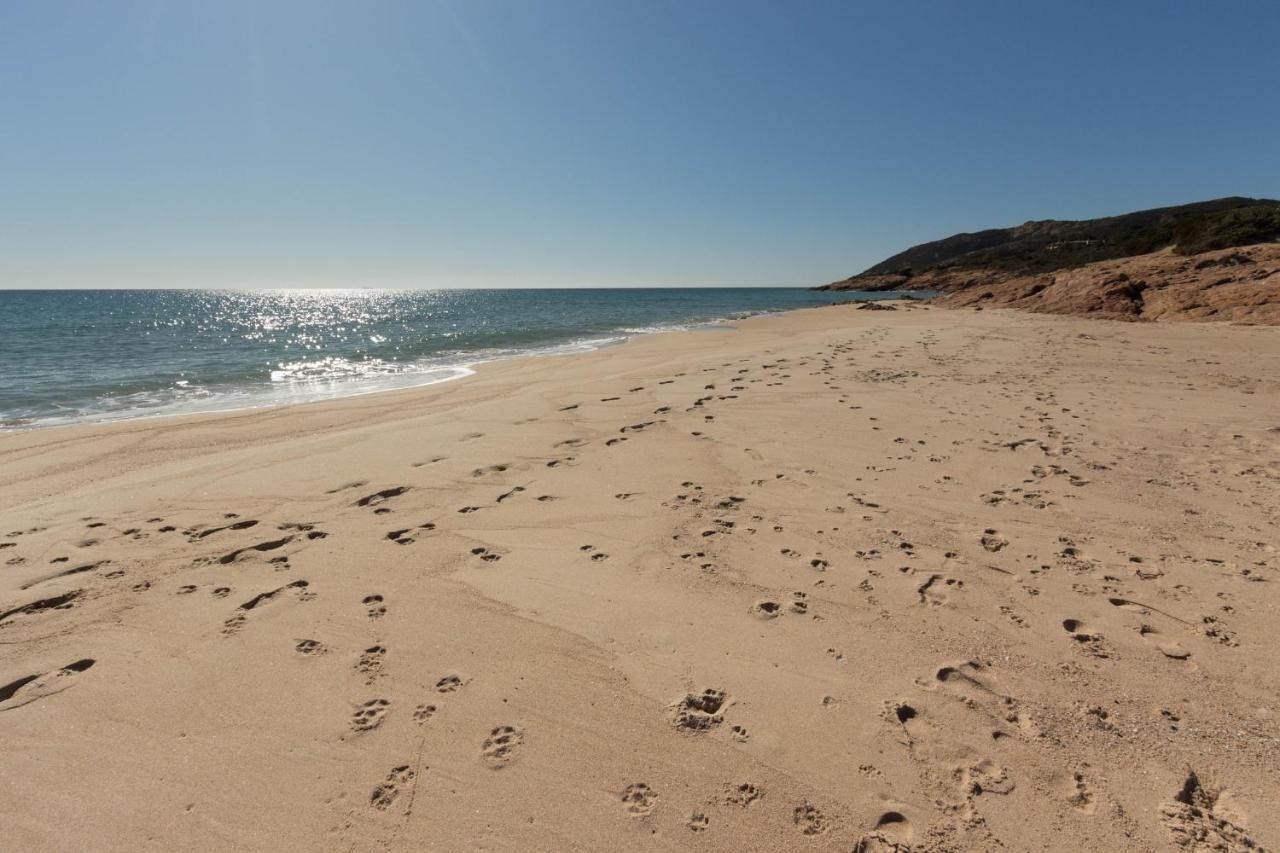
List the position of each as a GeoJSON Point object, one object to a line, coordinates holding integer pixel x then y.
{"type": "Point", "coordinates": [600, 142]}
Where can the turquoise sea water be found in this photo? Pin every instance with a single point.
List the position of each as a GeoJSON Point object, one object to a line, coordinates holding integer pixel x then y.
{"type": "Point", "coordinates": [72, 356]}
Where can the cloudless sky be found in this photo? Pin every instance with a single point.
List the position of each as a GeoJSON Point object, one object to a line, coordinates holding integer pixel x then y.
{"type": "Point", "coordinates": [432, 143]}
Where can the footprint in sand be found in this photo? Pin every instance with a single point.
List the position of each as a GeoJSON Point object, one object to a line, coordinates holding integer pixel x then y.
{"type": "Point", "coordinates": [741, 795]}
{"type": "Point", "coordinates": [369, 664]}
{"type": "Point", "coordinates": [597, 556]}
{"type": "Point", "coordinates": [31, 688]}
{"type": "Point", "coordinates": [485, 554]}
{"type": "Point", "coordinates": [87, 567]}
{"type": "Point", "coordinates": [1079, 794]}
{"type": "Point", "coordinates": [892, 834]}
{"type": "Point", "coordinates": [936, 588]}
{"type": "Point", "coordinates": [310, 647]}
{"type": "Point", "coordinates": [974, 684]}
{"type": "Point", "coordinates": [381, 496]}
{"type": "Point", "coordinates": [1079, 630]}
{"type": "Point", "coordinates": [261, 547]}
{"type": "Point", "coordinates": [499, 749]}
{"type": "Point", "coordinates": [237, 620]}
{"type": "Point", "coordinates": [370, 715]}
{"type": "Point", "coordinates": [639, 799]}
{"type": "Point", "coordinates": [409, 535]}
{"type": "Point", "coordinates": [1169, 648]}
{"type": "Point", "coordinates": [387, 792]}
{"type": "Point", "coordinates": [699, 712]}
{"type": "Point", "coordinates": [374, 606]}
{"type": "Point", "coordinates": [766, 609]}
{"type": "Point", "coordinates": [423, 713]}
{"type": "Point", "coordinates": [451, 683]}
{"type": "Point", "coordinates": [992, 541]}
{"type": "Point", "coordinates": [57, 602]}
{"type": "Point", "coordinates": [1203, 815]}
{"type": "Point", "coordinates": [809, 819]}
{"type": "Point", "coordinates": [209, 531]}
{"type": "Point", "coordinates": [515, 490]}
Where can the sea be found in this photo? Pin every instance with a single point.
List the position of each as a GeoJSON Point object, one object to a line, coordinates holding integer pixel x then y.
{"type": "Point", "coordinates": [77, 356]}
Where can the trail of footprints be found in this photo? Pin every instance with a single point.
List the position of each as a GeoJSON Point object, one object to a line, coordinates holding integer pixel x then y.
{"type": "Point", "coordinates": [702, 712]}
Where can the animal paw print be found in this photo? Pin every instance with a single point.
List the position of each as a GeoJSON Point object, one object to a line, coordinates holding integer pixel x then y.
{"type": "Point", "coordinates": [1079, 794]}
{"type": "Point", "coordinates": [376, 608]}
{"type": "Point", "coordinates": [742, 795]}
{"type": "Point", "coordinates": [386, 793]}
{"type": "Point", "coordinates": [810, 820]}
{"type": "Point", "coordinates": [486, 555]}
{"type": "Point", "coordinates": [423, 713]}
{"type": "Point", "coordinates": [992, 541]}
{"type": "Point", "coordinates": [639, 799]}
{"type": "Point", "coordinates": [697, 822]}
{"type": "Point", "coordinates": [766, 609]}
{"type": "Point", "coordinates": [450, 683]}
{"type": "Point", "coordinates": [370, 715]}
{"type": "Point", "coordinates": [408, 535]}
{"type": "Point", "coordinates": [596, 556]}
{"type": "Point", "coordinates": [499, 748]}
{"type": "Point", "coordinates": [700, 712]}
{"type": "Point", "coordinates": [799, 603]}
{"type": "Point", "coordinates": [310, 647]}
{"type": "Point", "coordinates": [369, 664]}
{"type": "Point", "coordinates": [934, 589]}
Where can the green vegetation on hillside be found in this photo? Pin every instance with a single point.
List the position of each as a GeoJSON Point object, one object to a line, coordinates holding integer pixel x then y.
{"type": "Point", "coordinates": [1240, 227]}
{"type": "Point", "coordinates": [1046, 245]}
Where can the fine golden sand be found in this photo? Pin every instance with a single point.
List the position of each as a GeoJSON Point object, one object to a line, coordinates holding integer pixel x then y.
{"type": "Point", "coordinates": [835, 580]}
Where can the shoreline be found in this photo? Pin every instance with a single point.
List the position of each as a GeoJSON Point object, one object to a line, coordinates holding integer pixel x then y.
{"type": "Point", "coordinates": [833, 578]}
{"type": "Point", "coordinates": [464, 368]}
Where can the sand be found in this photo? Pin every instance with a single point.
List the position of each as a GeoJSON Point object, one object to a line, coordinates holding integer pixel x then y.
{"type": "Point", "coordinates": [926, 579]}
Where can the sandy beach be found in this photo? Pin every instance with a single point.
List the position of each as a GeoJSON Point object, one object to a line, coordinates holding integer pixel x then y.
{"type": "Point", "coordinates": [838, 579]}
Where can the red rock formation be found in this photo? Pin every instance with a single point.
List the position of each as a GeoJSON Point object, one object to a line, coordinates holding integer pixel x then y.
{"type": "Point", "coordinates": [1241, 285]}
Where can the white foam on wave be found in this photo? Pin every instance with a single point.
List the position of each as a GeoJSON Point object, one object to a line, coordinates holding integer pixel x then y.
{"type": "Point", "coordinates": [329, 378]}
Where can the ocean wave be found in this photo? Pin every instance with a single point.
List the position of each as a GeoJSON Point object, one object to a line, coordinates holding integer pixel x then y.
{"type": "Point", "coordinates": [182, 353]}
